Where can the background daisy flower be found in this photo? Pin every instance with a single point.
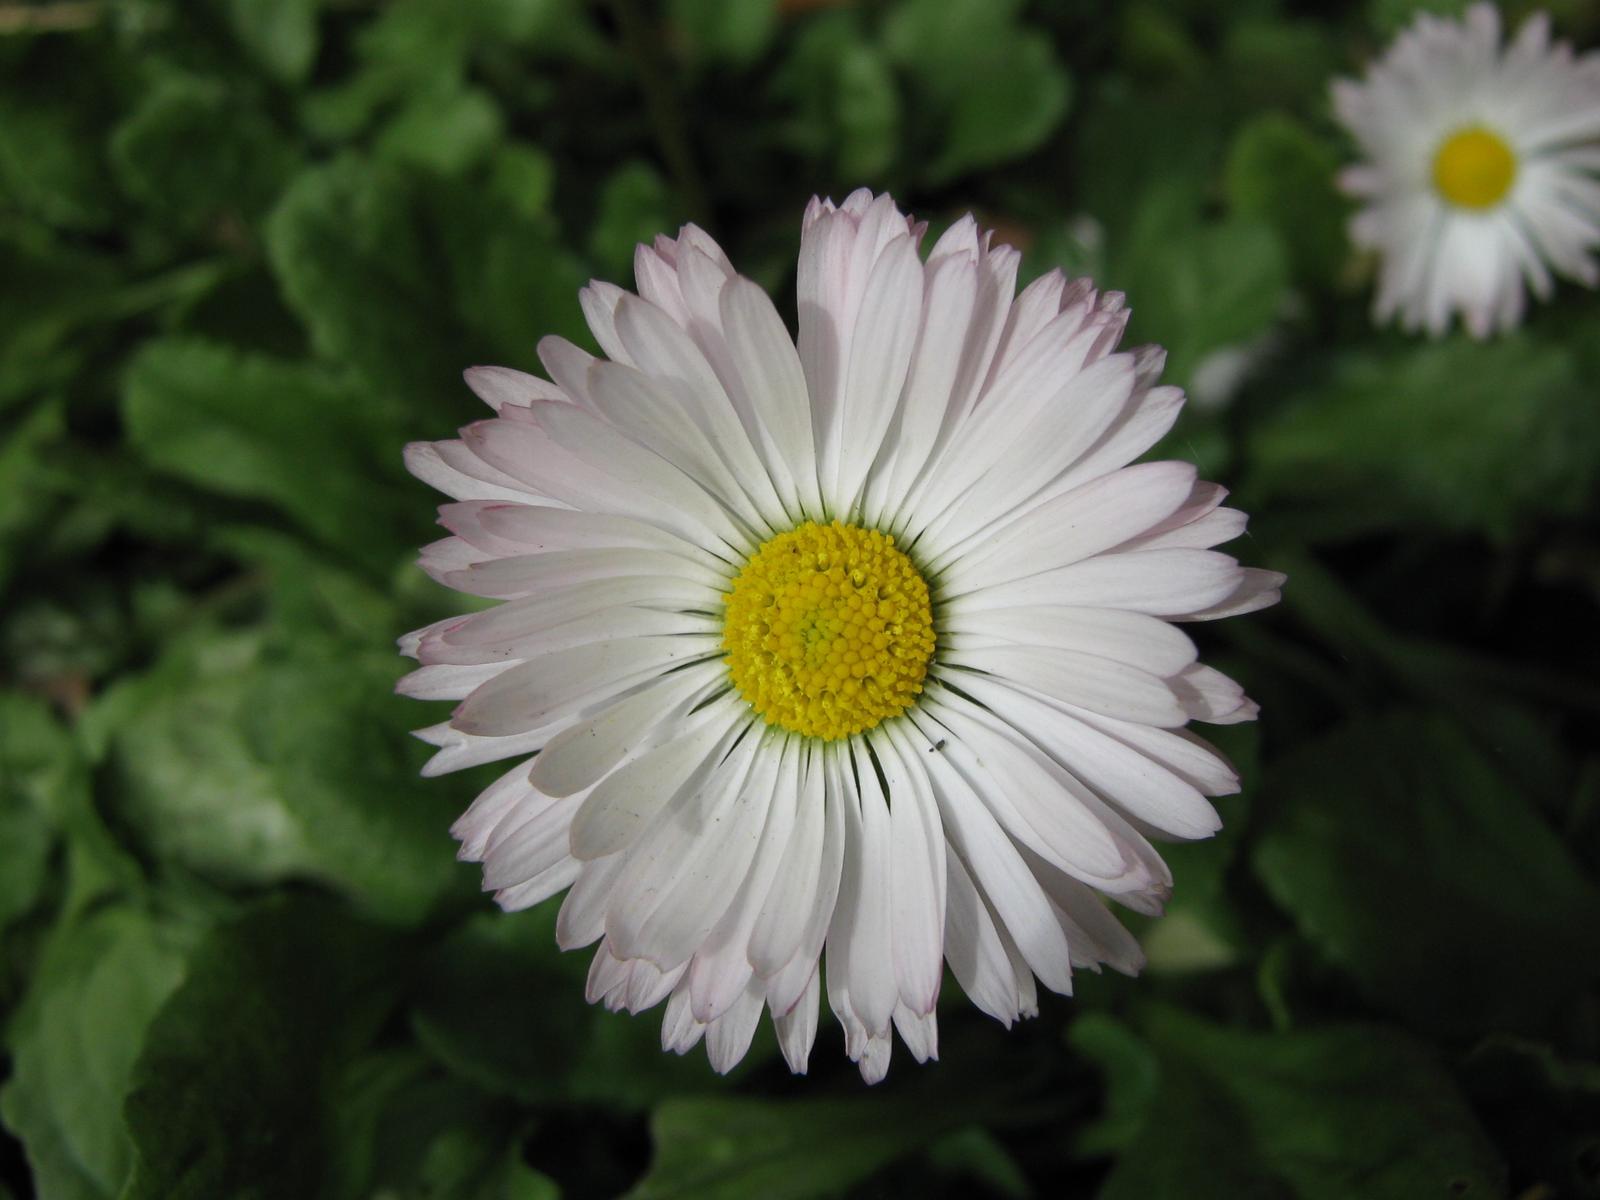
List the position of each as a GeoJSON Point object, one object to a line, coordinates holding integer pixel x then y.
{"type": "Point", "coordinates": [843, 657]}
{"type": "Point", "coordinates": [1478, 171]}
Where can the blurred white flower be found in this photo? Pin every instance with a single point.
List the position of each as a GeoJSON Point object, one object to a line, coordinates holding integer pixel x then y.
{"type": "Point", "coordinates": [856, 649]}
{"type": "Point", "coordinates": [1478, 169]}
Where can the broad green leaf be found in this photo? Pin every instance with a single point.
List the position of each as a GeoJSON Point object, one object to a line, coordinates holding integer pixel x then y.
{"type": "Point", "coordinates": [36, 763]}
{"type": "Point", "coordinates": [1132, 1078]}
{"type": "Point", "coordinates": [1481, 920]}
{"type": "Point", "coordinates": [997, 88]}
{"type": "Point", "coordinates": [405, 1129]}
{"type": "Point", "coordinates": [472, 1012]}
{"type": "Point", "coordinates": [323, 450]}
{"type": "Point", "coordinates": [1545, 1109]}
{"type": "Point", "coordinates": [358, 268]}
{"type": "Point", "coordinates": [50, 162]}
{"type": "Point", "coordinates": [1460, 436]}
{"type": "Point", "coordinates": [191, 152]}
{"type": "Point", "coordinates": [231, 1095]}
{"type": "Point", "coordinates": [779, 1149]}
{"type": "Point", "coordinates": [1196, 286]}
{"type": "Point", "coordinates": [448, 131]}
{"type": "Point", "coordinates": [1317, 1115]}
{"type": "Point", "coordinates": [1280, 173]}
{"type": "Point", "coordinates": [100, 981]}
{"type": "Point", "coordinates": [846, 107]}
{"type": "Point", "coordinates": [635, 206]}
{"type": "Point", "coordinates": [252, 766]}
{"type": "Point", "coordinates": [715, 31]}
{"type": "Point", "coordinates": [280, 36]}
{"type": "Point", "coordinates": [53, 290]}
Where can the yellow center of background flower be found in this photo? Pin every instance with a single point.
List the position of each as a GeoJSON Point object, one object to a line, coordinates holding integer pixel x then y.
{"type": "Point", "coordinates": [828, 630]}
{"type": "Point", "coordinates": [1474, 168]}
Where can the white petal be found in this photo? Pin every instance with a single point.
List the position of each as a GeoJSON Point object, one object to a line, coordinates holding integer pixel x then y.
{"type": "Point", "coordinates": [586, 751]}
{"type": "Point", "coordinates": [1159, 582]}
{"type": "Point", "coordinates": [988, 854]}
{"type": "Point", "coordinates": [797, 1028]}
{"type": "Point", "coordinates": [1142, 641]}
{"type": "Point", "coordinates": [1099, 684]}
{"type": "Point", "coordinates": [764, 356]}
{"type": "Point", "coordinates": [1132, 781]}
{"type": "Point", "coordinates": [917, 879]}
{"type": "Point", "coordinates": [532, 693]}
{"type": "Point", "coordinates": [625, 802]}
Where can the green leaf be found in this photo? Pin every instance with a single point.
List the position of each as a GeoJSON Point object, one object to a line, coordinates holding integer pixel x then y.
{"type": "Point", "coordinates": [261, 428]}
{"type": "Point", "coordinates": [1132, 1077]}
{"type": "Point", "coordinates": [1543, 1108]}
{"type": "Point", "coordinates": [1280, 173]}
{"type": "Point", "coordinates": [231, 1095]}
{"type": "Point", "coordinates": [447, 131]}
{"type": "Point", "coordinates": [37, 761]}
{"type": "Point", "coordinates": [1460, 436]}
{"type": "Point", "coordinates": [1317, 1115]}
{"type": "Point", "coordinates": [50, 164]}
{"type": "Point", "coordinates": [845, 105]}
{"type": "Point", "coordinates": [251, 766]}
{"type": "Point", "coordinates": [997, 89]}
{"type": "Point", "coordinates": [779, 1150]}
{"type": "Point", "coordinates": [99, 983]}
{"type": "Point", "coordinates": [359, 269]}
{"type": "Point", "coordinates": [635, 206]}
{"type": "Point", "coordinates": [281, 36]}
{"type": "Point", "coordinates": [471, 1012]}
{"type": "Point", "coordinates": [191, 152]}
{"type": "Point", "coordinates": [1197, 286]}
{"type": "Point", "coordinates": [715, 31]}
{"type": "Point", "coordinates": [1484, 921]}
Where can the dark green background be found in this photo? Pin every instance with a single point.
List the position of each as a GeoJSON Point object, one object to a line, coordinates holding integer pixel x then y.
{"type": "Point", "coordinates": [245, 250]}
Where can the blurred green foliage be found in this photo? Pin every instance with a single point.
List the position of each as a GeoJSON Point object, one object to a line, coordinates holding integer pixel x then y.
{"type": "Point", "coordinates": [246, 249]}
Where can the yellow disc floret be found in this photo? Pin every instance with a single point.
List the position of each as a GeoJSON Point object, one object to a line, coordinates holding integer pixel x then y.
{"type": "Point", "coordinates": [828, 630]}
{"type": "Point", "coordinates": [1474, 168]}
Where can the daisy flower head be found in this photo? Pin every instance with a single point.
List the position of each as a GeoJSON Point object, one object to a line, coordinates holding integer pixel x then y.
{"type": "Point", "coordinates": [838, 658]}
{"type": "Point", "coordinates": [1478, 171]}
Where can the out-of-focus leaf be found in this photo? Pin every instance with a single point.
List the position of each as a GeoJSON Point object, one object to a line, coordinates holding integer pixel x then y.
{"type": "Point", "coordinates": [1484, 922]}
{"type": "Point", "coordinates": [1459, 436]}
{"type": "Point", "coordinates": [635, 206]}
{"type": "Point", "coordinates": [845, 105]}
{"type": "Point", "coordinates": [1389, 17]}
{"type": "Point", "coordinates": [1316, 1115]}
{"type": "Point", "coordinates": [324, 451]}
{"type": "Point", "coordinates": [191, 152]}
{"type": "Point", "coordinates": [231, 1096]}
{"type": "Point", "coordinates": [252, 766]}
{"type": "Point", "coordinates": [998, 88]}
{"type": "Point", "coordinates": [100, 981]}
{"type": "Point", "coordinates": [281, 36]}
{"type": "Point", "coordinates": [50, 163]}
{"type": "Point", "coordinates": [35, 762]}
{"type": "Point", "coordinates": [471, 1011]}
{"type": "Point", "coordinates": [1197, 286]}
{"type": "Point", "coordinates": [735, 1148]}
{"type": "Point", "coordinates": [1280, 173]}
{"type": "Point", "coordinates": [447, 131]}
{"type": "Point", "coordinates": [51, 292]}
{"type": "Point", "coordinates": [715, 31]}
{"type": "Point", "coordinates": [1132, 1078]}
{"type": "Point", "coordinates": [1544, 1109]}
{"type": "Point", "coordinates": [347, 249]}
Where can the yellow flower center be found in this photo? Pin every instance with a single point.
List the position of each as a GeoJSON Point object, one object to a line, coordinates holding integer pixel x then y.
{"type": "Point", "coordinates": [1474, 168]}
{"type": "Point", "coordinates": [828, 630]}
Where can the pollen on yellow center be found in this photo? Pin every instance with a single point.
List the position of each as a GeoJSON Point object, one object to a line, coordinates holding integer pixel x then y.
{"type": "Point", "coordinates": [1474, 168]}
{"type": "Point", "coordinates": [828, 630]}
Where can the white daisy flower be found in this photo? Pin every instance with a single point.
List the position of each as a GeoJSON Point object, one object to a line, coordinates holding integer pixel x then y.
{"type": "Point", "coordinates": [855, 650]}
{"type": "Point", "coordinates": [1478, 171]}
